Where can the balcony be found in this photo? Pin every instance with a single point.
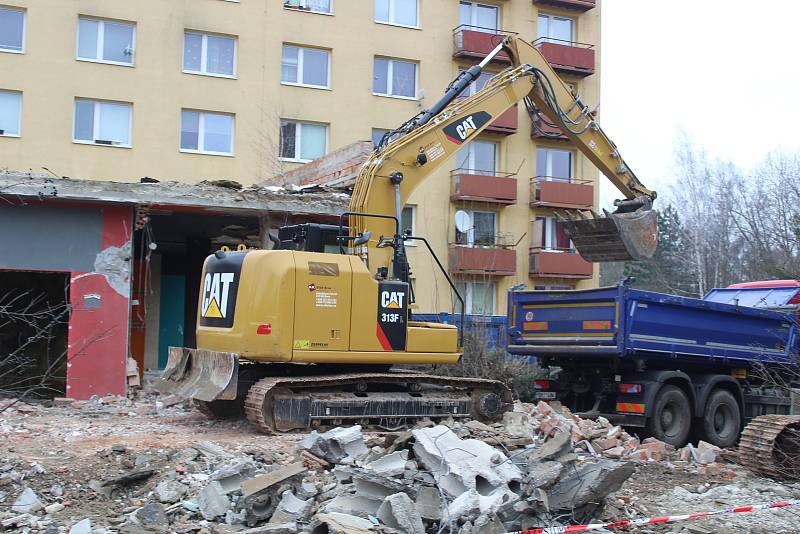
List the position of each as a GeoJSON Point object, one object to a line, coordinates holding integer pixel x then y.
{"type": "Point", "coordinates": [483, 186]}
{"type": "Point", "coordinates": [505, 124]}
{"type": "Point", "coordinates": [577, 5]}
{"type": "Point", "coordinates": [553, 192]}
{"type": "Point", "coordinates": [542, 128]}
{"type": "Point", "coordinates": [567, 57]}
{"type": "Point", "coordinates": [474, 42]}
{"type": "Point", "coordinates": [546, 263]}
{"type": "Point", "coordinates": [493, 260]}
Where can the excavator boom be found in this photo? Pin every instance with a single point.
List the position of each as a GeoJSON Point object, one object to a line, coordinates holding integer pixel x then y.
{"type": "Point", "coordinates": [428, 140]}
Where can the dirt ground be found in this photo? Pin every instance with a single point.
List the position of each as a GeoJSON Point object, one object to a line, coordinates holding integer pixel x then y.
{"type": "Point", "coordinates": [61, 449]}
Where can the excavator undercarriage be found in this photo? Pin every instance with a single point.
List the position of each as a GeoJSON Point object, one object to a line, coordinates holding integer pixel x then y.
{"type": "Point", "coordinates": [284, 397]}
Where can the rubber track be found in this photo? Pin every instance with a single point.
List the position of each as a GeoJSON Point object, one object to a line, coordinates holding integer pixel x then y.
{"type": "Point", "coordinates": [259, 391]}
{"type": "Point", "coordinates": [757, 443]}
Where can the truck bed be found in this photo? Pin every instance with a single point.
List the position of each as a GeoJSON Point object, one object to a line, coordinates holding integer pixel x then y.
{"type": "Point", "coordinates": [622, 322]}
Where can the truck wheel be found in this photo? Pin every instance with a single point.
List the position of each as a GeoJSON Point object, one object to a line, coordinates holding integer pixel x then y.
{"type": "Point", "coordinates": [671, 418]}
{"type": "Point", "coordinates": [722, 419]}
{"type": "Point", "coordinates": [220, 409]}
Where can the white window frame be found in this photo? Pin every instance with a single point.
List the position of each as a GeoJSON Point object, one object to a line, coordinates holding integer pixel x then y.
{"type": "Point", "coordinates": [474, 15]}
{"type": "Point", "coordinates": [204, 55]}
{"type": "Point", "coordinates": [201, 131]}
{"type": "Point", "coordinates": [468, 296]}
{"type": "Point", "coordinates": [550, 241]}
{"type": "Point", "coordinates": [303, 4]}
{"type": "Point", "coordinates": [390, 72]}
{"type": "Point", "coordinates": [96, 125]}
{"type": "Point", "coordinates": [297, 137]}
{"type": "Point", "coordinates": [413, 208]}
{"type": "Point", "coordinates": [24, 29]}
{"type": "Point", "coordinates": [19, 115]}
{"type": "Point", "coordinates": [556, 40]}
{"type": "Point", "coordinates": [471, 232]}
{"type": "Point", "coordinates": [101, 30]}
{"type": "Point", "coordinates": [469, 166]}
{"type": "Point", "coordinates": [392, 16]}
{"type": "Point", "coordinates": [549, 176]}
{"type": "Point", "coordinates": [300, 55]}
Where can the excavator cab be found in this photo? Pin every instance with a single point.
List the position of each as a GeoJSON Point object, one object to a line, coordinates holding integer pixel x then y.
{"type": "Point", "coordinates": [628, 234]}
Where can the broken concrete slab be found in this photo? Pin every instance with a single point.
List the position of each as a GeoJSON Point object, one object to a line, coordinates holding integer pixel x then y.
{"type": "Point", "coordinates": [27, 502]}
{"type": "Point", "coordinates": [277, 528]}
{"type": "Point", "coordinates": [353, 504]}
{"type": "Point", "coordinates": [337, 523]}
{"type": "Point", "coordinates": [518, 424]}
{"type": "Point", "coordinates": [231, 476]}
{"type": "Point", "coordinates": [588, 485]}
{"type": "Point", "coordinates": [390, 465]}
{"type": "Point", "coordinates": [399, 511]}
{"type": "Point", "coordinates": [291, 508]}
{"type": "Point", "coordinates": [84, 526]}
{"type": "Point", "coordinates": [429, 503]}
{"type": "Point", "coordinates": [460, 465]}
{"type": "Point", "coordinates": [336, 445]}
{"type": "Point", "coordinates": [152, 516]}
{"type": "Point", "coordinates": [213, 501]}
{"type": "Point", "coordinates": [171, 491]}
{"type": "Point", "coordinates": [559, 444]}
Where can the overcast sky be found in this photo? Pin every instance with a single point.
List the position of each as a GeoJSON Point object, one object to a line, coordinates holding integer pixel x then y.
{"type": "Point", "coordinates": [723, 71]}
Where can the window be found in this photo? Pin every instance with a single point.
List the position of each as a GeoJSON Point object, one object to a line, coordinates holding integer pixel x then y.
{"type": "Point", "coordinates": [212, 55]}
{"type": "Point", "coordinates": [377, 135]}
{"type": "Point", "coordinates": [408, 221]}
{"type": "Point", "coordinates": [105, 41]}
{"type": "Point", "coordinates": [393, 77]}
{"type": "Point", "coordinates": [478, 297]}
{"type": "Point", "coordinates": [556, 29]}
{"type": "Point", "coordinates": [480, 17]}
{"type": "Point", "coordinates": [303, 141]}
{"type": "Point", "coordinates": [12, 30]}
{"type": "Point", "coordinates": [10, 104]}
{"type": "Point", "coordinates": [399, 12]}
{"type": "Point", "coordinates": [315, 6]}
{"type": "Point", "coordinates": [478, 157]}
{"type": "Point", "coordinates": [305, 66]}
{"type": "Point", "coordinates": [554, 165]}
{"type": "Point", "coordinates": [549, 234]}
{"type": "Point", "coordinates": [481, 229]}
{"type": "Point", "coordinates": [207, 133]}
{"type": "Point", "coordinates": [102, 123]}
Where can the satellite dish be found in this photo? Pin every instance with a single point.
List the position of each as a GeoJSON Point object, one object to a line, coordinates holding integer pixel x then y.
{"type": "Point", "coordinates": [463, 221]}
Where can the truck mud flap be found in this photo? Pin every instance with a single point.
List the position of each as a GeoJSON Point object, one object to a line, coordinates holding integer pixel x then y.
{"type": "Point", "coordinates": [200, 374]}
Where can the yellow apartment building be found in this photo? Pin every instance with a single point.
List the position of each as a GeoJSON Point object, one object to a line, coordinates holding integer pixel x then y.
{"type": "Point", "coordinates": [244, 90]}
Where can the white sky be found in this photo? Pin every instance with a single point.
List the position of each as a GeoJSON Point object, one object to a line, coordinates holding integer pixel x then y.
{"type": "Point", "coordinates": [726, 72]}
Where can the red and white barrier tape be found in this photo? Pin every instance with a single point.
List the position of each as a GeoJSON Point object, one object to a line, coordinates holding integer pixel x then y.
{"type": "Point", "coordinates": [655, 520]}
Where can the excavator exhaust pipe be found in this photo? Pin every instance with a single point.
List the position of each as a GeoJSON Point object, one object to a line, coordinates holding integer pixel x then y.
{"type": "Point", "coordinates": [620, 236]}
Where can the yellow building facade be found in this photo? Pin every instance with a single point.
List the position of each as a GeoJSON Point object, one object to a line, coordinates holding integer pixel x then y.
{"type": "Point", "coordinates": [189, 90]}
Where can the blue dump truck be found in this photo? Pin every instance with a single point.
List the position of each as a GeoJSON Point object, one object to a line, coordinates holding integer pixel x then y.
{"type": "Point", "coordinates": [675, 367]}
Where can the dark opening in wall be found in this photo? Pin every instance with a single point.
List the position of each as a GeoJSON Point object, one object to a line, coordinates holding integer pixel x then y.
{"type": "Point", "coordinates": [34, 321]}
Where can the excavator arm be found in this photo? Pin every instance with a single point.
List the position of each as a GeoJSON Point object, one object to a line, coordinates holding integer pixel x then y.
{"type": "Point", "coordinates": [416, 149]}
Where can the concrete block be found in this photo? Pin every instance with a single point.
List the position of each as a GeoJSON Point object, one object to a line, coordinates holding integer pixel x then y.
{"type": "Point", "coordinates": [291, 508]}
{"type": "Point", "coordinates": [429, 503]}
{"type": "Point", "coordinates": [268, 480]}
{"type": "Point", "coordinates": [391, 465]}
{"type": "Point", "coordinates": [213, 501]}
{"type": "Point", "coordinates": [27, 502]}
{"type": "Point", "coordinates": [518, 424]}
{"type": "Point", "coordinates": [336, 445]}
{"type": "Point", "coordinates": [399, 511]}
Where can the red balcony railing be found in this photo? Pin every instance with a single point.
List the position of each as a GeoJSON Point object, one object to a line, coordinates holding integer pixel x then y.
{"type": "Point", "coordinates": [567, 57]}
{"type": "Point", "coordinates": [484, 260]}
{"type": "Point", "coordinates": [474, 42]}
{"type": "Point", "coordinates": [546, 263]}
{"type": "Point", "coordinates": [553, 192]}
{"type": "Point", "coordinates": [542, 128]}
{"type": "Point", "coordinates": [483, 186]}
{"type": "Point", "coordinates": [579, 5]}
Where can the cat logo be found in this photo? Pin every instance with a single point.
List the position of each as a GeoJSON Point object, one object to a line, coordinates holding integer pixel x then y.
{"type": "Point", "coordinates": [392, 299]}
{"type": "Point", "coordinates": [461, 131]}
{"type": "Point", "coordinates": [216, 288]}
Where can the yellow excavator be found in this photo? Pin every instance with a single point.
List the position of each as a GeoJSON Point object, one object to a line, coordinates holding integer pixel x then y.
{"type": "Point", "coordinates": [305, 335]}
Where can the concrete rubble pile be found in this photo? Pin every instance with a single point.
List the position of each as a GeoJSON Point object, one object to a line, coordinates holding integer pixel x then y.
{"type": "Point", "coordinates": [540, 466]}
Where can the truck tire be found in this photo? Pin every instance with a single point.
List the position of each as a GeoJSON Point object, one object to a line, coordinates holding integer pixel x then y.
{"type": "Point", "coordinates": [671, 418]}
{"type": "Point", "coordinates": [722, 419]}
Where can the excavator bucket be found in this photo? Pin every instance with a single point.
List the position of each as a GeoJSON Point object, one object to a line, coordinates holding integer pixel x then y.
{"type": "Point", "coordinates": [200, 374]}
{"type": "Point", "coordinates": [614, 237]}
